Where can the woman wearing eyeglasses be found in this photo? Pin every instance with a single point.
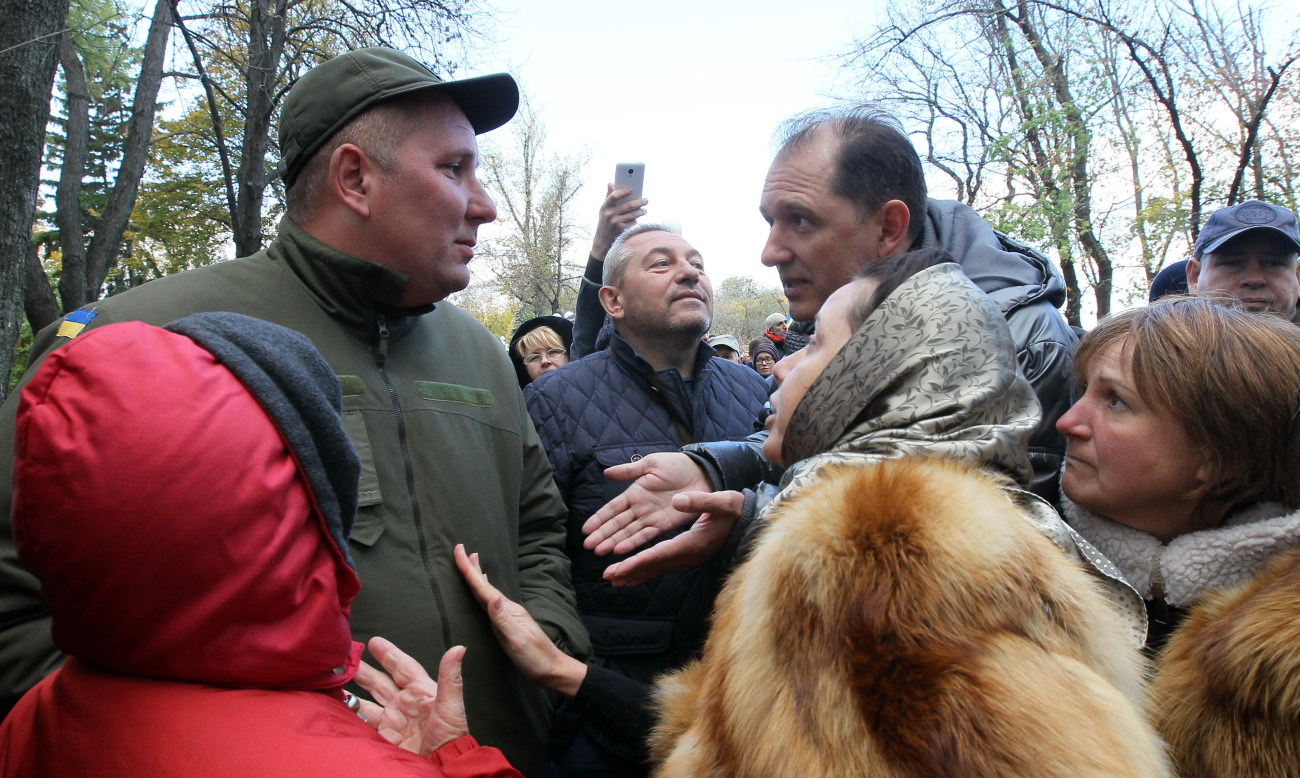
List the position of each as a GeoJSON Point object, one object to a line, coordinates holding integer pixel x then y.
{"type": "Point", "coordinates": [540, 345]}
{"type": "Point", "coordinates": [765, 356]}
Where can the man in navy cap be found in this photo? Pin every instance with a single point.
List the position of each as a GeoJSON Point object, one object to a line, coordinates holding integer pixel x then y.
{"type": "Point", "coordinates": [1249, 251]}
{"type": "Point", "coordinates": [378, 155]}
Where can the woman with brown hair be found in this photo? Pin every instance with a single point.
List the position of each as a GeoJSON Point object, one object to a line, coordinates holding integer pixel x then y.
{"type": "Point", "coordinates": [1183, 459]}
{"type": "Point", "coordinates": [1183, 467]}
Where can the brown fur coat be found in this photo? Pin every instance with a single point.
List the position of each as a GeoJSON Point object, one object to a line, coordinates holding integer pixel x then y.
{"type": "Point", "coordinates": [904, 619]}
{"type": "Point", "coordinates": [1227, 695]}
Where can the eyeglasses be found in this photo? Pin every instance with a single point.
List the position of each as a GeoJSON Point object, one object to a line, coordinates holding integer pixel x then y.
{"type": "Point", "coordinates": [764, 359]}
{"type": "Point", "coordinates": [550, 353]}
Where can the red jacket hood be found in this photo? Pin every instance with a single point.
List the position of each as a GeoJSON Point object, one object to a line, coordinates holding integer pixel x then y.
{"type": "Point", "coordinates": [169, 523]}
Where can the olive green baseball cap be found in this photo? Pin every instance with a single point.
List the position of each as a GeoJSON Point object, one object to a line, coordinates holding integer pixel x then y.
{"type": "Point", "coordinates": [335, 92]}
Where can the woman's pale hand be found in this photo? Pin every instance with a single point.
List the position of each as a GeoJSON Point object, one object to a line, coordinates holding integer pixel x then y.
{"type": "Point", "coordinates": [718, 513]}
{"type": "Point", "coordinates": [520, 635]}
{"type": "Point", "coordinates": [411, 710]}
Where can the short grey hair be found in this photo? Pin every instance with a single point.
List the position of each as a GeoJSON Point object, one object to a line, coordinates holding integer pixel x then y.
{"type": "Point", "coordinates": [379, 131]}
{"type": "Point", "coordinates": [618, 255]}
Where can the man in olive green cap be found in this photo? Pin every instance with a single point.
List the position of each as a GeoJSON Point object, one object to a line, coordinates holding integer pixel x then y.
{"type": "Point", "coordinates": [379, 156]}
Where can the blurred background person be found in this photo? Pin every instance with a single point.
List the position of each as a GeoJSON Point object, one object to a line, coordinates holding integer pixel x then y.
{"type": "Point", "coordinates": [725, 346]}
{"type": "Point", "coordinates": [764, 355]}
{"type": "Point", "coordinates": [1250, 251]}
{"type": "Point", "coordinates": [1172, 279]}
{"type": "Point", "coordinates": [540, 345]}
{"type": "Point", "coordinates": [774, 329]}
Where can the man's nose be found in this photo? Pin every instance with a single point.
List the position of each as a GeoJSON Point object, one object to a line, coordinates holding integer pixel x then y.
{"type": "Point", "coordinates": [480, 208]}
{"type": "Point", "coordinates": [774, 251]}
{"type": "Point", "coordinates": [688, 273]}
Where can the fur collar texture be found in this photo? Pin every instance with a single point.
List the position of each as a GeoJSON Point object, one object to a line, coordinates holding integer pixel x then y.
{"type": "Point", "coordinates": [905, 618]}
{"type": "Point", "coordinates": [1195, 563]}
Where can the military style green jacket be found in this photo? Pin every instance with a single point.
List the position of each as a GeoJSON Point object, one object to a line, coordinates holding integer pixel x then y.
{"type": "Point", "coordinates": [449, 456]}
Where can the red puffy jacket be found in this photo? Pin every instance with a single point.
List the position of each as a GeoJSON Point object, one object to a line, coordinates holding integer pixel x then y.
{"type": "Point", "coordinates": [192, 582]}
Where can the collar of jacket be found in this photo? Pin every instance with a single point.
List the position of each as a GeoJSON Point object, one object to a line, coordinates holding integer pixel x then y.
{"type": "Point", "coordinates": [1011, 273]}
{"type": "Point", "coordinates": [797, 336]}
{"type": "Point", "coordinates": [1195, 563]}
{"type": "Point", "coordinates": [668, 383]}
{"type": "Point", "coordinates": [350, 289]}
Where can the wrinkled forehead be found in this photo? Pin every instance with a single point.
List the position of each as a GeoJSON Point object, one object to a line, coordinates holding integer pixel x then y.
{"type": "Point", "coordinates": [645, 244]}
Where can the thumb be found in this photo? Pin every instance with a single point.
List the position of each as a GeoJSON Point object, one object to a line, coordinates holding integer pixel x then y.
{"type": "Point", "coordinates": [627, 471]}
{"type": "Point", "coordinates": [450, 702]}
{"type": "Point", "coordinates": [700, 502]}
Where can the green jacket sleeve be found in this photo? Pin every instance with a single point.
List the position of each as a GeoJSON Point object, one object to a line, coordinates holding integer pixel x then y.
{"type": "Point", "coordinates": [544, 576]}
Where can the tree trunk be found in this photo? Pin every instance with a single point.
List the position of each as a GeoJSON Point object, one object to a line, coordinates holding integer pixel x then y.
{"type": "Point", "coordinates": [266, 37]}
{"type": "Point", "coordinates": [1248, 145]}
{"type": "Point", "coordinates": [1043, 173]}
{"type": "Point", "coordinates": [28, 53]}
{"type": "Point", "coordinates": [107, 241]}
{"type": "Point", "coordinates": [67, 200]}
{"type": "Point", "coordinates": [39, 302]}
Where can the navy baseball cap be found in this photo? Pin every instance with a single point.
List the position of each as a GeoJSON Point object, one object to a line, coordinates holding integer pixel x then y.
{"type": "Point", "coordinates": [1171, 280]}
{"type": "Point", "coordinates": [1227, 223]}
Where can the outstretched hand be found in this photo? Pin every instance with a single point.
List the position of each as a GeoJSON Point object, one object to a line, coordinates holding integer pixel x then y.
{"type": "Point", "coordinates": [615, 217]}
{"type": "Point", "coordinates": [411, 710]}
{"type": "Point", "coordinates": [519, 634]}
{"type": "Point", "coordinates": [718, 511]}
{"type": "Point", "coordinates": [645, 509]}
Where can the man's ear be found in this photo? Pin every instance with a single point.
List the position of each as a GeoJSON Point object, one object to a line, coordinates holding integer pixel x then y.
{"type": "Point", "coordinates": [1193, 274]}
{"type": "Point", "coordinates": [350, 178]}
{"type": "Point", "coordinates": [611, 299]}
{"type": "Point", "coordinates": [893, 219]}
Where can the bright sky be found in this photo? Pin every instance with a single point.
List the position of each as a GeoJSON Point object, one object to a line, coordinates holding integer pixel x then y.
{"type": "Point", "coordinates": [694, 89]}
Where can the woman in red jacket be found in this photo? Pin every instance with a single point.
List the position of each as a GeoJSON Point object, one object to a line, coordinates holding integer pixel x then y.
{"type": "Point", "coordinates": [184, 496]}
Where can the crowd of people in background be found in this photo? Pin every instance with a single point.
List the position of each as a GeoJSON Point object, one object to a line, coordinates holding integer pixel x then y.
{"type": "Point", "coordinates": [916, 525]}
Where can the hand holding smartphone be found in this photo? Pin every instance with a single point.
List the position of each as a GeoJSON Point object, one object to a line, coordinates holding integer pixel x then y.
{"type": "Point", "coordinates": [630, 175]}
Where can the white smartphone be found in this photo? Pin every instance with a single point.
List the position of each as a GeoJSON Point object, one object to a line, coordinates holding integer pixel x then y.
{"type": "Point", "coordinates": [630, 175]}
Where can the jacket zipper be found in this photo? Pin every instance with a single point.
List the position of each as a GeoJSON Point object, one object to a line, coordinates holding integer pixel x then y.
{"type": "Point", "coordinates": [381, 357]}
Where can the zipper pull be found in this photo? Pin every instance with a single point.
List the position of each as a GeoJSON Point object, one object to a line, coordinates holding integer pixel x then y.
{"type": "Point", "coordinates": [383, 341]}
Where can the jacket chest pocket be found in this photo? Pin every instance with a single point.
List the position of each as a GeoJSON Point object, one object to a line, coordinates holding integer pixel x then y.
{"type": "Point", "coordinates": [621, 454]}
{"type": "Point", "coordinates": [369, 524]}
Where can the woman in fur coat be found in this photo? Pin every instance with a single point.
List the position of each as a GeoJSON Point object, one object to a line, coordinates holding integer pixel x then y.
{"type": "Point", "coordinates": [903, 611]}
{"type": "Point", "coordinates": [1183, 467]}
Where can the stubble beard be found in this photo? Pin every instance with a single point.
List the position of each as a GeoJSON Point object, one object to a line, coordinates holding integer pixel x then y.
{"type": "Point", "coordinates": [686, 329]}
